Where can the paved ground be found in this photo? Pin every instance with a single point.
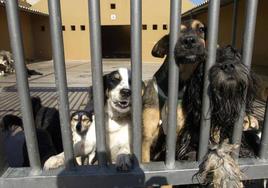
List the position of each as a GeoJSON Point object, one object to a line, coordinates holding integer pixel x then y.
{"type": "Point", "coordinates": [78, 73]}
{"type": "Point", "coordinates": [79, 79]}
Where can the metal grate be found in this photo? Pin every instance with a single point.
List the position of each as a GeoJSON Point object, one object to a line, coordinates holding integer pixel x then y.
{"type": "Point", "coordinates": [103, 175]}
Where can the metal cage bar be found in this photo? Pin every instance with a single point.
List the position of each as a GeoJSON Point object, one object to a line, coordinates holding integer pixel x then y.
{"type": "Point", "coordinates": [172, 172]}
{"type": "Point", "coordinates": [61, 82]}
{"type": "Point", "coordinates": [23, 85]}
{"type": "Point", "coordinates": [173, 82]}
{"type": "Point", "coordinates": [136, 70]}
{"type": "Point", "coordinates": [264, 138]}
{"type": "Point", "coordinates": [234, 22]}
{"type": "Point", "coordinates": [249, 32]}
{"type": "Point", "coordinates": [97, 80]}
{"type": "Point", "coordinates": [213, 26]}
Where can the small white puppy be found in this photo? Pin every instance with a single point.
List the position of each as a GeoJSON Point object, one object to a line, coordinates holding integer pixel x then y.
{"type": "Point", "coordinates": [84, 140]}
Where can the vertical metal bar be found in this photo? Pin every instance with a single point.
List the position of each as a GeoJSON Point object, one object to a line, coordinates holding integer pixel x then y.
{"type": "Point", "coordinates": [61, 82]}
{"type": "Point", "coordinates": [264, 137]}
{"type": "Point", "coordinates": [213, 23]}
{"type": "Point", "coordinates": [234, 22]}
{"type": "Point", "coordinates": [97, 80]}
{"type": "Point", "coordinates": [173, 82]}
{"type": "Point", "coordinates": [250, 23]}
{"type": "Point", "coordinates": [22, 84]}
{"type": "Point", "coordinates": [136, 75]}
{"type": "Point", "coordinates": [3, 161]}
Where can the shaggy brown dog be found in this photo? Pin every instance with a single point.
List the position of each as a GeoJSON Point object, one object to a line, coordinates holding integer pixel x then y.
{"type": "Point", "coordinates": [219, 169]}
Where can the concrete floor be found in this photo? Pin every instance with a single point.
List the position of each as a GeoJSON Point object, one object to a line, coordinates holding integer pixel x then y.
{"type": "Point", "coordinates": [78, 73]}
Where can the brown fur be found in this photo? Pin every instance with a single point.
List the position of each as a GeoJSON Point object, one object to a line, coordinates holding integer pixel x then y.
{"type": "Point", "coordinates": [153, 110]}
{"type": "Point", "coordinates": [219, 169]}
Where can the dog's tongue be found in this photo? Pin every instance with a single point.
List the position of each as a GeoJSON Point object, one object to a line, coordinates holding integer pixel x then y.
{"type": "Point", "coordinates": [191, 57]}
{"type": "Point", "coordinates": [124, 103]}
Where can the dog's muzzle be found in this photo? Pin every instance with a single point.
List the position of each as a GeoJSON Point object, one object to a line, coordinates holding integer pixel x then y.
{"type": "Point", "coordinates": [124, 101]}
{"type": "Point", "coordinates": [189, 49]}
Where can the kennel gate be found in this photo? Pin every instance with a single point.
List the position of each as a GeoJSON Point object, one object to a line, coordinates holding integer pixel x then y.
{"type": "Point", "coordinates": [103, 175]}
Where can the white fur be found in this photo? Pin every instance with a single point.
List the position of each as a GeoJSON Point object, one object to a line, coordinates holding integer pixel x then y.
{"type": "Point", "coordinates": [117, 136]}
{"type": "Point", "coordinates": [83, 147]}
{"type": "Point", "coordinates": [117, 124]}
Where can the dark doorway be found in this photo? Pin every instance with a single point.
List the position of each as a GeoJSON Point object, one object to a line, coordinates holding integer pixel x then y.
{"type": "Point", "coordinates": [116, 41]}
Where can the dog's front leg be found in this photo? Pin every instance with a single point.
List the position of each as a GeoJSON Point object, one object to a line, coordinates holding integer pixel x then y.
{"type": "Point", "coordinates": [54, 161]}
{"type": "Point", "coordinates": [124, 160]}
{"type": "Point", "coordinates": [151, 117]}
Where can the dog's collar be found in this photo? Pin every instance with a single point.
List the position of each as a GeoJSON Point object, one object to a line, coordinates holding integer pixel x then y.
{"type": "Point", "coordinates": [159, 91]}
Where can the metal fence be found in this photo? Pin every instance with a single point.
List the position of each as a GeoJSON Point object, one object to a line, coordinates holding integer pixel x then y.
{"type": "Point", "coordinates": [102, 175]}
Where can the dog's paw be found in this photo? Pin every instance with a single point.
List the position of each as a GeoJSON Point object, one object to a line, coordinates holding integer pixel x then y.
{"type": "Point", "coordinates": [54, 162]}
{"type": "Point", "coordinates": [124, 162]}
{"type": "Point", "coordinates": [250, 123]}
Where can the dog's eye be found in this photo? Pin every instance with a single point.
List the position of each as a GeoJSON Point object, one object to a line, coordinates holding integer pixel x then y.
{"type": "Point", "coordinates": [116, 77]}
{"type": "Point", "coordinates": [85, 119]}
{"type": "Point", "coordinates": [201, 29]}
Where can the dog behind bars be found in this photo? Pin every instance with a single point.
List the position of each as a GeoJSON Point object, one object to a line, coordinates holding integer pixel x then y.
{"type": "Point", "coordinates": [230, 80]}
{"type": "Point", "coordinates": [189, 52]}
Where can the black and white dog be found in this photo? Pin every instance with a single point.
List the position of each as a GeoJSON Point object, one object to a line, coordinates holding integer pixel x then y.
{"type": "Point", "coordinates": [117, 88]}
{"type": "Point", "coordinates": [47, 130]}
{"type": "Point", "coordinates": [7, 64]}
{"type": "Point", "coordinates": [117, 85]}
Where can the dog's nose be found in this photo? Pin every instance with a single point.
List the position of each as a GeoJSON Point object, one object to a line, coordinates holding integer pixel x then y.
{"type": "Point", "coordinates": [189, 41]}
{"type": "Point", "coordinates": [125, 92]}
{"type": "Point", "coordinates": [228, 67]}
{"type": "Point", "coordinates": [78, 127]}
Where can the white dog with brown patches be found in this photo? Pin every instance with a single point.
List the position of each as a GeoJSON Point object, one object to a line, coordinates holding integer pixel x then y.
{"type": "Point", "coordinates": [117, 87]}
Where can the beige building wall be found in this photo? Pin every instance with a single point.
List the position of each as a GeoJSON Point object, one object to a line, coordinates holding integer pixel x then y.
{"type": "Point", "coordinates": [32, 41]}
{"type": "Point", "coordinates": [41, 37]}
{"type": "Point", "coordinates": [75, 13]}
{"type": "Point", "coordinates": [260, 55]}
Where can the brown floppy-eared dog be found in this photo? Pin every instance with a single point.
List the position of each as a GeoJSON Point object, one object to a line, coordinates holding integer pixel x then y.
{"type": "Point", "coordinates": [189, 52]}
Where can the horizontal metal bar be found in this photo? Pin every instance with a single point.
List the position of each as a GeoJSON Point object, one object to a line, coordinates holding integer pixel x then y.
{"type": "Point", "coordinates": [149, 174]}
{"type": "Point", "coordinates": [264, 137]}
{"type": "Point", "coordinates": [61, 82]}
{"type": "Point", "coordinates": [249, 32]}
{"type": "Point", "coordinates": [213, 26]}
{"type": "Point", "coordinates": [97, 80]}
{"type": "Point", "coordinates": [22, 84]}
{"type": "Point", "coordinates": [136, 75]}
{"type": "Point", "coordinates": [173, 82]}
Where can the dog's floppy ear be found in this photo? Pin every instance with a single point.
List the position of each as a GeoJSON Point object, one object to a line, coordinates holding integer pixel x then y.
{"type": "Point", "coordinates": [36, 105]}
{"type": "Point", "coordinates": [142, 87]}
{"type": "Point", "coordinates": [160, 49]}
{"type": "Point", "coordinates": [105, 80]}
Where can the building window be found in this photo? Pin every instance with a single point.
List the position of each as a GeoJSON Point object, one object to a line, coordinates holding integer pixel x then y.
{"type": "Point", "coordinates": [73, 27]}
{"type": "Point", "coordinates": [165, 27]}
{"type": "Point", "coordinates": [154, 27]}
{"type": "Point", "coordinates": [63, 28]}
{"type": "Point", "coordinates": [113, 6]}
{"type": "Point", "coordinates": [82, 27]}
{"type": "Point", "coordinates": [43, 28]}
{"type": "Point", "coordinates": [144, 27]}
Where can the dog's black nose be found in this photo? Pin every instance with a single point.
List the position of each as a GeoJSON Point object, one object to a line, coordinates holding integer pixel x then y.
{"type": "Point", "coordinates": [228, 67]}
{"type": "Point", "coordinates": [78, 127]}
{"type": "Point", "coordinates": [125, 92]}
{"type": "Point", "coordinates": [188, 42]}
